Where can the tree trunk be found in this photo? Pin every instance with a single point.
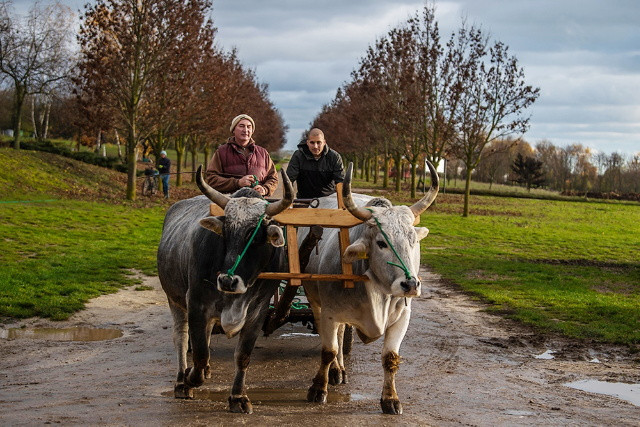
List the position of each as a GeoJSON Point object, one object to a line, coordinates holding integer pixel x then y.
{"type": "Point", "coordinates": [18, 102]}
{"type": "Point", "coordinates": [397, 159]}
{"type": "Point", "coordinates": [132, 159]}
{"type": "Point", "coordinates": [467, 193]}
{"type": "Point", "coordinates": [45, 127]}
{"type": "Point", "coordinates": [375, 166]}
{"type": "Point", "coordinates": [367, 166]}
{"type": "Point", "coordinates": [414, 166]}
{"type": "Point", "coordinates": [180, 149]}
{"type": "Point", "coordinates": [119, 145]}
{"type": "Point", "coordinates": [33, 117]}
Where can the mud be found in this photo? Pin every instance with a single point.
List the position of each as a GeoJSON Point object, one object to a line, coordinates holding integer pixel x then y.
{"type": "Point", "coordinates": [460, 366]}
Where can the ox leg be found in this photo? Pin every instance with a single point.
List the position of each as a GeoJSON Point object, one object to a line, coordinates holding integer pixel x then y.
{"type": "Point", "coordinates": [238, 400]}
{"type": "Point", "coordinates": [393, 337]}
{"type": "Point", "coordinates": [329, 336]}
{"type": "Point", "coordinates": [180, 343]}
{"type": "Point", "coordinates": [200, 332]}
{"type": "Point", "coordinates": [337, 373]}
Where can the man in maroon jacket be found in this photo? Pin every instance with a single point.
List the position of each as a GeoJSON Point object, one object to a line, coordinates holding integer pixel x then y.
{"type": "Point", "coordinates": [241, 163]}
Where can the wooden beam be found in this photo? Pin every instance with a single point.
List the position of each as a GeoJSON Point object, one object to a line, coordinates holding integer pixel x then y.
{"type": "Point", "coordinates": [306, 217]}
{"type": "Point", "coordinates": [313, 276]}
{"type": "Point", "coordinates": [292, 251]}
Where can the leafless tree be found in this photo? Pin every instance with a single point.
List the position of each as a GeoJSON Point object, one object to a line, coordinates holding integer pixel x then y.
{"type": "Point", "coordinates": [35, 52]}
{"type": "Point", "coordinates": [494, 101]}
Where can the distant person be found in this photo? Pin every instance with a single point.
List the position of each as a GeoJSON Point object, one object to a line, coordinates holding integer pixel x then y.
{"type": "Point", "coordinates": [241, 163]}
{"type": "Point", "coordinates": [315, 167]}
{"type": "Point", "coordinates": [164, 167]}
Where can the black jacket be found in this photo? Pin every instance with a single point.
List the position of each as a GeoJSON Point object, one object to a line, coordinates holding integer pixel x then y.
{"type": "Point", "coordinates": [164, 165]}
{"type": "Point", "coordinates": [316, 178]}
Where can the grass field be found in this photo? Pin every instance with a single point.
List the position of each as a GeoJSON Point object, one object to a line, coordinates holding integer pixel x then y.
{"type": "Point", "coordinates": [560, 266]}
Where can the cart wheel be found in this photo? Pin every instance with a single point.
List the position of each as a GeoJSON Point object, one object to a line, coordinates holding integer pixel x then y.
{"type": "Point", "coordinates": [347, 341]}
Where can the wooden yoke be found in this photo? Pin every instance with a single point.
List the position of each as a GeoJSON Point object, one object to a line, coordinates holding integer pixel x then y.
{"type": "Point", "coordinates": [307, 217]}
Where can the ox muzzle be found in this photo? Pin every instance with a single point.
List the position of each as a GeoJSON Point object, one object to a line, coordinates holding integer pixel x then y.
{"type": "Point", "coordinates": [231, 284]}
{"type": "Point", "coordinates": [411, 287]}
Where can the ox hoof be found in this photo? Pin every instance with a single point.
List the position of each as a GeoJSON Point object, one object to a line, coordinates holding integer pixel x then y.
{"type": "Point", "coordinates": [317, 395]}
{"type": "Point", "coordinates": [207, 372]}
{"type": "Point", "coordinates": [240, 405]}
{"type": "Point", "coordinates": [391, 406]}
{"type": "Point", "coordinates": [181, 391]}
{"type": "Point", "coordinates": [335, 376]}
{"type": "Point", "coordinates": [193, 377]}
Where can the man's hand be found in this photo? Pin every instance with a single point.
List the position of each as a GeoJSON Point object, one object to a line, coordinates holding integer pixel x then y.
{"type": "Point", "coordinates": [246, 181]}
{"type": "Point", "coordinates": [260, 189]}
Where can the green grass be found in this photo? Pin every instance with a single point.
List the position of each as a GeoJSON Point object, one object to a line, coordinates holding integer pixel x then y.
{"type": "Point", "coordinates": [562, 267]}
{"type": "Point", "coordinates": [56, 256]}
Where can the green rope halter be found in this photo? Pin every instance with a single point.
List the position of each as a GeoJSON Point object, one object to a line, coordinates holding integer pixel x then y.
{"type": "Point", "coordinates": [402, 265]}
{"type": "Point", "coordinates": [232, 270]}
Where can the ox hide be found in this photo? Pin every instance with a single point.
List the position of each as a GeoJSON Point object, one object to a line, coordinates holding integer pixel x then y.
{"type": "Point", "coordinates": [191, 256]}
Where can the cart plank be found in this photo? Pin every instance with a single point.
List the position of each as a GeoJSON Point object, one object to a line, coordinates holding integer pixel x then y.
{"type": "Point", "coordinates": [313, 276]}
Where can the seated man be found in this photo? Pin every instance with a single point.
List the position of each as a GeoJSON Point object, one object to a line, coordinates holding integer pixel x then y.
{"type": "Point", "coordinates": [241, 163]}
{"type": "Point", "coordinates": [315, 167]}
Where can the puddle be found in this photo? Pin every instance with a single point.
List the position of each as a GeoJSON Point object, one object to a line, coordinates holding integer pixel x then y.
{"type": "Point", "coordinates": [298, 334]}
{"type": "Point", "coordinates": [519, 413]}
{"type": "Point", "coordinates": [61, 334]}
{"type": "Point", "coordinates": [270, 396]}
{"type": "Point", "coordinates": [547, 355]}
{"type": "Point", "coordinates": [624, 391]}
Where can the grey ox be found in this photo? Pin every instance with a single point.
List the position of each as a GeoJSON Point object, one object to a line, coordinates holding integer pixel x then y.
{"type": "Point", "coordinates": [208, 268]}
{"type": "Point", "coordinates": [386, 248]}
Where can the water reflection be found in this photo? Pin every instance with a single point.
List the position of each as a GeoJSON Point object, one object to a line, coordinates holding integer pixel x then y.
{"type": "Point", "coordinates": [79, 333]}
{"type": "Point", "coordinates": [624, 391]}
{"type": "Point", "coordinates": [268, 396]}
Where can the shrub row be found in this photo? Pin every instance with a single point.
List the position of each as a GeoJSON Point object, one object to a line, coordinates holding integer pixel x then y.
{"type": "Point", "coordinates": [612, 195]}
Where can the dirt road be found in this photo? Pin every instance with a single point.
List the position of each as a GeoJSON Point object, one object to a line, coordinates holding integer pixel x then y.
{"type": "Point", "coordinates": [461, 367]}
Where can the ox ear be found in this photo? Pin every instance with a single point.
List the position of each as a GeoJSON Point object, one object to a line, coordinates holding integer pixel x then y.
{"type": "Point", "coordinates": [213, 223]}
{"type": "Point", "coordinates": [355, 251]}
{"type": "Point", "coordinates": [422, 232]}
{"type": "Point", "coordinates": [275, 235]}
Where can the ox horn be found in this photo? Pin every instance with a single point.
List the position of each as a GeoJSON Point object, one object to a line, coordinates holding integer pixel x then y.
{"type": "Point", "coordinates": [275, 208]}
{"type": "Point", "coordinates": [357, 211]}
{"type": "Point", "coordinates": [212, 194]}
{"type": "Point", "coordinates": [422, 204]}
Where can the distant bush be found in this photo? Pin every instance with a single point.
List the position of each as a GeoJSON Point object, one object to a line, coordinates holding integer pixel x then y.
{"type": "Point", "coordinates": [611, 195]}
{"type": "Point", "coordinates": [83, 156]}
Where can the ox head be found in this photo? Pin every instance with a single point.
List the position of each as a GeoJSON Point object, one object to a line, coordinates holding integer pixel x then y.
{"type": "Point", "coordinates": [247, 232]}
{"type": "Point", "coordinates": [389, 239]}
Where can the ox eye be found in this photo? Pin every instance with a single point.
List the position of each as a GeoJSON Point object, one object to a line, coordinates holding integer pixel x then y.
{"type": "Point", "coordinates": [381, 244]}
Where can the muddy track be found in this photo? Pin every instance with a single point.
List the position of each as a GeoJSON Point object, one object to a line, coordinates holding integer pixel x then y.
{"type": "Point", "coordinates": [460, 366]}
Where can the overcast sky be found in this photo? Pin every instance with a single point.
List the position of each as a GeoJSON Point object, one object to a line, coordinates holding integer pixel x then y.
{"type": "Point", "coordinates": [583, 54]}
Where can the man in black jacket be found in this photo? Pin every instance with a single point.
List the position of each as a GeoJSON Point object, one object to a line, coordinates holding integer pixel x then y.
{"type": "Point", "coordinates": [315, 167]}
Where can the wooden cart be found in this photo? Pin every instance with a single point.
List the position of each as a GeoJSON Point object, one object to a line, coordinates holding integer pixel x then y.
{"type": "Point", "coordinates": [298, 257]}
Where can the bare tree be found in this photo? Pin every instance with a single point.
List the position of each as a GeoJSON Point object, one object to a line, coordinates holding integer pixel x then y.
{"type": "Point", "coordinates": [493, 103]}
{"type": "Point", "coordinates": [125, 45]}
{"type": "Point", "coordinates": [35, 53]}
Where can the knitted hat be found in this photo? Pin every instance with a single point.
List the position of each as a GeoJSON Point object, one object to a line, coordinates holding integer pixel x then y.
{"type": "Point", "coordinates": [163, 152]}
{"type": "Point", "coordinates": [236, 119]}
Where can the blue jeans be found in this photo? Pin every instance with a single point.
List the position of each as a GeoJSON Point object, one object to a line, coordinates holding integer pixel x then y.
{"type": "Point", "coordinates": [165, 184]}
